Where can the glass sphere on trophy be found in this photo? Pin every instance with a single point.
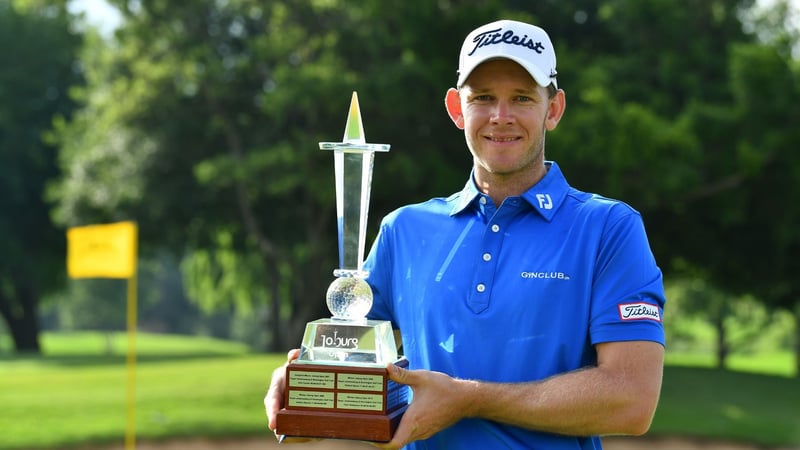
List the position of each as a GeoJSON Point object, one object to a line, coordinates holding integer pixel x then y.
{"type": "Point", "coordinates": [339, 386]}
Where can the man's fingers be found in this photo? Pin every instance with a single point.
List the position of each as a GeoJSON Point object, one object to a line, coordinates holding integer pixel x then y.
{"type": "Point", "coordinates": [273, 400]}
{"type": "Point", "coordinates": [399, 374]}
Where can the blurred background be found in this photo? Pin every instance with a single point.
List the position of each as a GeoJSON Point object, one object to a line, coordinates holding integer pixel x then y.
{"type": "Point", "coordinates": [200, 119]}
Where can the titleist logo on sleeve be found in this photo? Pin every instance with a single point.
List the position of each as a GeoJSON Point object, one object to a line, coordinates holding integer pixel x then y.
{"type": "Point", "coordinates": [493, 37]}
{"type": "Point", "coordinates": [639, 311]}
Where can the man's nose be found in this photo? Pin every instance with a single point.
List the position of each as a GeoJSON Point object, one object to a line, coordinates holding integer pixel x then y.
{"type": "Point", "coordinates": [503, 112]}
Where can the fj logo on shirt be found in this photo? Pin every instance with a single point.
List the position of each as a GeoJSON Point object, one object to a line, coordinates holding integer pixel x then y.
{"type": "Point", "coordinates": [639, 311]}
{"type": "Point", "coordinates": [545, 202]}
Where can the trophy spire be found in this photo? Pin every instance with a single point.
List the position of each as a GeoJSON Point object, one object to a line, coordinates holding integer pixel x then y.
{"type": "Point", "coordinates": [354, 129]}
{"type": "Point", "coordinates": [349, 296]}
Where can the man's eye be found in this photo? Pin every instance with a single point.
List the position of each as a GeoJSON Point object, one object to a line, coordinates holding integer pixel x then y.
{"type": "Point", "coordinates": [524, 98]}
{"type": "Point", "coordinates": [483, 98]}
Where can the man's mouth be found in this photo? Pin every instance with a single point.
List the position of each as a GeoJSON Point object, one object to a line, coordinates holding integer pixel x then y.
{"type": "Point", "coordinates": [502, 139]}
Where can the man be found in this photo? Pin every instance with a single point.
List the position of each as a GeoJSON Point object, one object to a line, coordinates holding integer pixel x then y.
{"type": "Point", "coordinates": [530, 311]}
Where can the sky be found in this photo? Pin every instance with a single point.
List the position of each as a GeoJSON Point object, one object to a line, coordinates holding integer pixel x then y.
{"type": "Point", "coordinates": [98, 13]}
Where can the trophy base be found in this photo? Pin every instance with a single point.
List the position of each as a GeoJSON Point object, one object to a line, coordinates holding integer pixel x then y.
{"type": "Point", "coordinates": [352, 426]}
{"type": "Point", "coordinates": [341, 402]}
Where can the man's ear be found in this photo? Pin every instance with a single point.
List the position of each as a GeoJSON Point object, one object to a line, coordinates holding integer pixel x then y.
{"type": "Point", "coordinates": [555, 110]}
{"type": "Point", "coordinates": [452, 101]}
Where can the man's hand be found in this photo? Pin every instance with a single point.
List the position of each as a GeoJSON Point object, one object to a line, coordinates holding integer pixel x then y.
{"type": "Point", "coordinates": [273, 401]}
{"type": "Point", "coordinates": [439, 401]}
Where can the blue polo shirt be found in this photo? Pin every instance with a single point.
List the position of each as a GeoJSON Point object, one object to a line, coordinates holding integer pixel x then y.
{"type": "Point", "coordinates": [513, 293]}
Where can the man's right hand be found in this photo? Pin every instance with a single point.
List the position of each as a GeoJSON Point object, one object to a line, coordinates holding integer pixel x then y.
{"type": "Point", "coordinates": [273, 401]}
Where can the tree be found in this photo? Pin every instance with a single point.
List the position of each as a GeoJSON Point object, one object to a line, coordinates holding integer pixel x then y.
{"type": "Point", "coordinates": [37, 67]}
{"type": "Point", "coordinates": [684, 114]}
{"type": "Point", "coordinates": [202, 119]}
{"type": "Point", "coordinates": [764, 229]}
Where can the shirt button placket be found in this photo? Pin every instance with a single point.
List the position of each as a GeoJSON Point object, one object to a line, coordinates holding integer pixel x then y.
{"type": "Point", "coordinates": [491, 243]}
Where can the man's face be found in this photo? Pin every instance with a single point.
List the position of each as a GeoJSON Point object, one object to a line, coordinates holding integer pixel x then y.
{"type": "Point", "coordinates": [505, 114]}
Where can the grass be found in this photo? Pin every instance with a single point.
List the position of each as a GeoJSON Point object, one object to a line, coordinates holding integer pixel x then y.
{"type": "Point", "coordinates": [76, 395]}
{"type": "Point", "coordinates": [780, 363]}
{"type": "Point", "coordinates": [188, 386]}
{"type": "Point", "coordinates": [727, 405]}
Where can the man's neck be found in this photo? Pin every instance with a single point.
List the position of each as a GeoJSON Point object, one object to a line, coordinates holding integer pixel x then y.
{"type": "Point", "coordinates": [501, 186]}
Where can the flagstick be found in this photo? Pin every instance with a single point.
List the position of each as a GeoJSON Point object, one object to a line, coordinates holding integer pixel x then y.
{"type": "Point", "coordinates": [130, 432]}
{"type": "Point", "coordinates": [110, 251]}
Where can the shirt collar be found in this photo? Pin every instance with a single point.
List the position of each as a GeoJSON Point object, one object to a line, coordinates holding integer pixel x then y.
{"type": "Point", "coordinates": [465, 198]}
{"type": "Point", "coordinates": [545, 196]}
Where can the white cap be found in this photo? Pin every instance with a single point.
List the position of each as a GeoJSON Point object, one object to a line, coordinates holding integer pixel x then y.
{"type": "Point", "coordinates": [527, 45]}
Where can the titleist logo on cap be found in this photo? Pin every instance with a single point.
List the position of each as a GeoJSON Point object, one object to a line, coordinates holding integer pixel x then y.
{"type": "Point", "coordinates": [493, 37]}
{"type": "Point", "coordinates": [526, 44]}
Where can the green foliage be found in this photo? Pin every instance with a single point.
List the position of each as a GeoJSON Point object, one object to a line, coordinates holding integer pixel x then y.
{"type": "Point", "coordinates": [220, 106]}
{"type": "Point", "coordinates": [201, 120]}
{"type": "Point", "coordinates": [761, 164]}
{"type": "Point", "coordinates": [682, 113]}
{"type": "Point", "coordinates": [223, 277]}
{"type": "Point", "coordinates": [93, 305]}
{"type": "Point", "coordinates": [703, 318]}
{"type": "Point", "coordinates": [162, 305]}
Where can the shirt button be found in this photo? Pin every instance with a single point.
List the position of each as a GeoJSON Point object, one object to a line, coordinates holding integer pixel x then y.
{"type": "Point", "coordinates": [483, 200]}
{"type": "Point", "coordinates": [487, 257]}
{"type": "Point", "coordinates": [481, 287]}
{"type": "Point", "coordinates": [495, 228]}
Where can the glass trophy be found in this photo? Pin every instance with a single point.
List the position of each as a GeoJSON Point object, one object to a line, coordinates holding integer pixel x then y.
{"type": "Point", "coordinates": [339, 386]}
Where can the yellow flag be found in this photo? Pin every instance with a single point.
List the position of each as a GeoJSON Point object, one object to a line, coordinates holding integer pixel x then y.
{"type": "Point", "coordinates": [102, 251]}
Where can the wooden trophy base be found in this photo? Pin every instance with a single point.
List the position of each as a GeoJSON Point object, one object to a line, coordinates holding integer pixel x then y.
{"type": "Point", "coordinates": [341, 402]}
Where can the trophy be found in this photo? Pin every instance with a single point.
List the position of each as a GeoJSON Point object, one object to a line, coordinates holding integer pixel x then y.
{"type": "Point", "coordinates": [339, 386]}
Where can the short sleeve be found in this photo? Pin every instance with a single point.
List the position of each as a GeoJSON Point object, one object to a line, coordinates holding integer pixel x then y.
{"type": "Point", "coordinates": [628, 291]}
